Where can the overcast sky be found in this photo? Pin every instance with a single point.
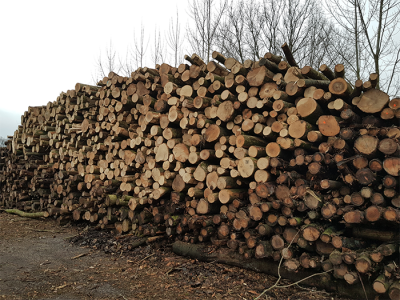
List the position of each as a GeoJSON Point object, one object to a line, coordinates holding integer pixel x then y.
{"type": "Point", "coordinates": [48, 46]}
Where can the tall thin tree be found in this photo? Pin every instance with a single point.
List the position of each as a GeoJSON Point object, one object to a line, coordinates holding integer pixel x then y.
{"type": "Point", "coordinates": [206, 16]}
{"type": "Point", "coordinates": [175, 39]}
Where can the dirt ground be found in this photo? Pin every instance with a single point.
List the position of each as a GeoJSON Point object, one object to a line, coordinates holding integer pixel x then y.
{"type": "Point", "coordinates": [40, 260]}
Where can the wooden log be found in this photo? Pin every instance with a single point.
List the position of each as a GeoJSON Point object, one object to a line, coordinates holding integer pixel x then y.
{"type": "Point", "coordinates": [394, 290]}
{"type": "Point", "coordinates": [328, 125]}
{"type": "Point", "coordinates": [373, 101]}
{"type": "Point", "coordinates": [300, 129]}
{"type": "Point", "coordinates": [288, 54]}
{"type": "Point", "coordinates": [375, 234]}
{"type": "Point", "coordinates": [259, 76]}
{"type": "Point", "coordinates": [214, 132]}
{"type": "Point", "coordinates": [270, 267]}
{"type": "Point", "coordinates": [392, 166]}
{"type": "Point", "coordinates": [340, 87]}
{"type": "Point", "coordinates": [367, 145]}
{"type": "Point", "coordinates": [228, 195]}
{"type": "Point", "coordinates": [245, 141]}
{"type": "Point", "coordinates": [20, 213]}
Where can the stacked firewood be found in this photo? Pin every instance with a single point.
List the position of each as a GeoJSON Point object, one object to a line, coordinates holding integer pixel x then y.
{"type": "Point", "coordinates": [264, 157]}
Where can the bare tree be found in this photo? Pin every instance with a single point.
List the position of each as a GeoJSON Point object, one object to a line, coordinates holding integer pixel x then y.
{"type": "Point", "coordinates": [320, 36]}
{"type": "Point", "coordinates": [271, 16]}
{"type": "Point", "coordinates": [295, 25]}
{"type": "Point", "coordinates": [254, 22]}
{"type": "Point", "coordinates": [107, 64]}
{"type": "Point", "coordinates": [373, 30]}
{"type": "Point", "coordinates": [251, 28]}
{"type": "Point", "coordinates": [175, 40]}
{"type": "Point", "coordinates": [158, 54]}
{"type": "Point", "coordinates": [352, 53]}
{"type": "Point", "coordinates": [126, 64]}
{"type": "Point", "coordinates": [231, 39]}
{"type": "Point", "coordinates": [206, 16]}
{"type": "Point", "coordinates": [139, 47]}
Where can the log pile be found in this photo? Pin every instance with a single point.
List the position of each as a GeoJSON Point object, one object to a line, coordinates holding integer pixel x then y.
{"type": "Point", "coordinates": [265, 158]}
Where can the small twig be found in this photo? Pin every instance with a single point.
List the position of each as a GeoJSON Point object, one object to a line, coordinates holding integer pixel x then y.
{"type": "Point", "coordinates": [279, 271]}
{"type": "Point", "coordinates": [46, 262]}
{"type": "Point", "coordinates": [362, 284]}
{"type": "Point", "coordinates": [123, 297]}
{"type": "Point", "coordinates": [170, 270]}
{"type": "Point", "coordinates": [80, 255]}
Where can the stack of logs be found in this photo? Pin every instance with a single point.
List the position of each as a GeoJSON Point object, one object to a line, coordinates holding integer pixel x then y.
{"type": "Point", "coordinates": [254, 156]}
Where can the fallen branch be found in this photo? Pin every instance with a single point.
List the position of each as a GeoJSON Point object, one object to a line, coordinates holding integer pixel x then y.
{"type": "Point", "coordinates": [40, 214]}
{"type": "Point", "coordinates": [80, 255]}
{"type": "Point", "coordinates": [44, 230]}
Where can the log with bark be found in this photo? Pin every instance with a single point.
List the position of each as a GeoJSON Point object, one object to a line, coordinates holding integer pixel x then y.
{"type": "Point", "coordinates": [251, 157]}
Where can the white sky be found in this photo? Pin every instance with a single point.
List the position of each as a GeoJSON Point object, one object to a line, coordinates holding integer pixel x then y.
{"type": "Point", "coordinates": [49, 46]}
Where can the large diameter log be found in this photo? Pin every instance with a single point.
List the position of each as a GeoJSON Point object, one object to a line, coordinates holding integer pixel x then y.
{"type": "Point", "coordinates": [201, 172]}
{"type": "Point", "coordinates": [328, 125]}
{"type": "Point", "coordinates": [311, 233]}
{"type": "Point", "coordinates": [299, 129]}
{"type": "Point", "coordinates": [309, 109]}
{"type": "Point", "coordinates": [258, 76]}
{"type": "Point", "coordinates": [226, 111]}
{"type": "Point", "coordinates": [354, 217]}
{"type": "Point", "coordinates": [273, 149]}
{"type": "Point", "coordinates": [178, 185]}
{"type": "Point", "coordinates": [247, 166]}
{"type": "Point", "coordinates": [292, 89]}
{"type": "Point", "coordinates": [211, 180]}
{"type": "Point", "coordinates": [162, 153]}
{"type": "Point", "coordinates": [181, 152]}
{"type": "Point", "coordinates": [366, 144]}
{"type": "Point", "coordinates": [373, 101]}
{"type": "Point", "coordinates": [267, 90]}
{"type": "Point", "coordinates": [389, 147]}
{"type": "Point", "coordinates": [268, 266]}
{"type": "Point", "coordinates": [214, 132]}
{"type": "Point", "coordinates": [392, 166]}
{"type": "Point", "coordinates": [340, 87]}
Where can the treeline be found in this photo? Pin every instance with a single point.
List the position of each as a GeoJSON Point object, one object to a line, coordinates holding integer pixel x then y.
{"type": "Point", "coordinates": [361, 34]}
